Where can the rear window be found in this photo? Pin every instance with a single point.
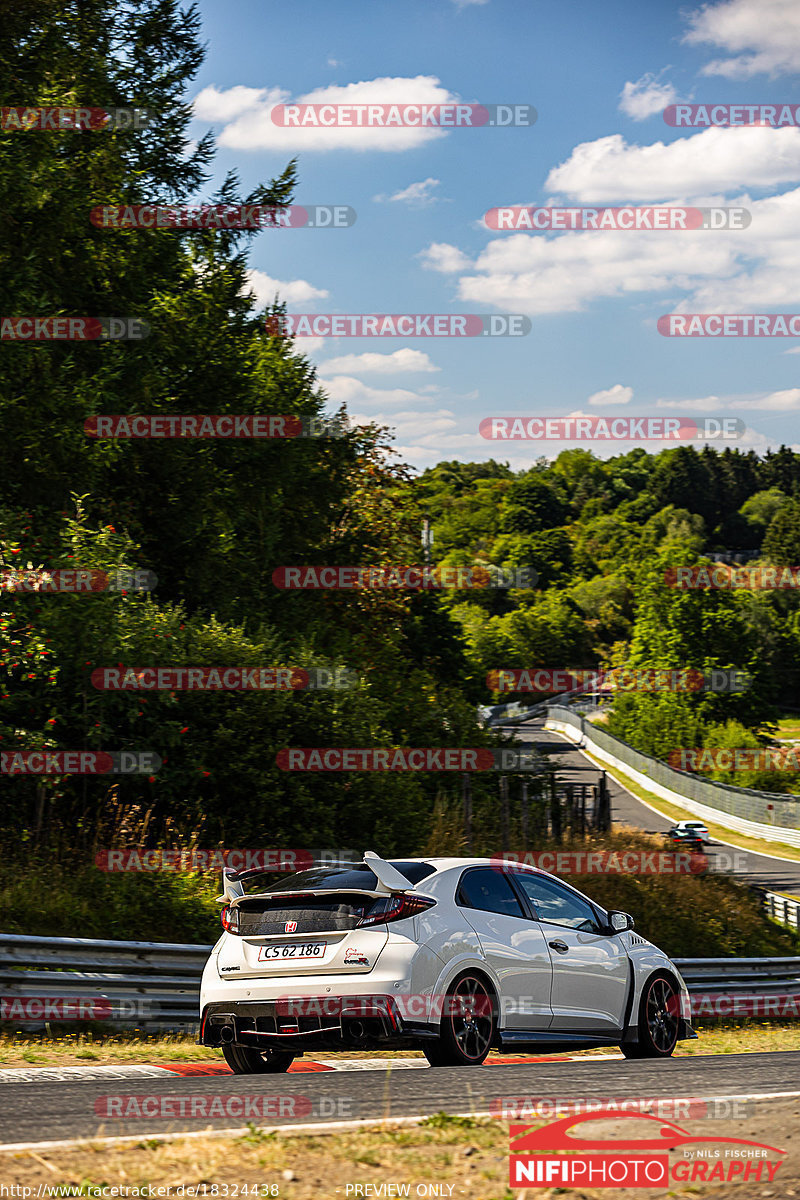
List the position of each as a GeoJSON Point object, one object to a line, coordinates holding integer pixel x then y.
{"type": "Point", "coordinates": [308, 914]}
{"type": "Point", "coordinates": [345, 878]}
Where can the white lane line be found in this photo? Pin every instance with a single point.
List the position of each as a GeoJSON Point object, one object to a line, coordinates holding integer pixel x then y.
{"type": "Point", "coordinates": [375, 1064]}
{"type": "Point", "coordinates": [11, 1075]}
{"type": "Point", "coordinates": [77, 1074]}
{"type": "Point", "coordinates": [311, 1128]}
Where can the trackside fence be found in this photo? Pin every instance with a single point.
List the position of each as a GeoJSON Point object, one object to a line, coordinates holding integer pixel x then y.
{"type": "Point", "coordinates": [155, 986]}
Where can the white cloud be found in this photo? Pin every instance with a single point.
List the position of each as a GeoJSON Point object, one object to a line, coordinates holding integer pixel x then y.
{"type": "Point", "coordinates": [405, 361]}
{"type": "Point", "coordinates": [787, 400]}
{"type": "Point", "coordinates": [468, 3]}
{"type": "Point", "coordinates": [427, 437]}
{"type": "Point", "coordinates": [440, 256]}
{"type": "Point", "coordinates": [646, 97]}
{"type": "Point", "coordinates": [423, 427]}
{"type": "Point", "coordinates": [248, 124]}
{"type": "Point", "coordinates": [713, 161]}
{"type": "Point", "coordinates": [703, 271]}
{"type": "Point", "coordinates": [416, 195]}
{"type": "Point", "coordinates": [344, 389]}
{"type": "Point", "coordinates": [762, 35]}
{"type": "Point", "coordinates": [213, 105]}
{"type": "Point", "coordinates": [613, 395]}
{"type": "Point", "coordinates": [530, 274]}
{"type": "Point", "coordinates": [293, 291]}
{"type": "Point", "coordinates": [704, 404]}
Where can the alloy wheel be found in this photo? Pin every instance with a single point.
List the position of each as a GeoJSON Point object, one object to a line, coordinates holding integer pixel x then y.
{"type": "Point", "coordinates": [471, 1017]}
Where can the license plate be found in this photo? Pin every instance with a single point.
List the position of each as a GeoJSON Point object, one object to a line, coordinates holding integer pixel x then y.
{"type": "Point", "coordinates": [292, 950]}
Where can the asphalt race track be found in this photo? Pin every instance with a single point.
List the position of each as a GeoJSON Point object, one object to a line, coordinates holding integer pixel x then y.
{"type": "Point", "coordinates": [47, 1112]}
{"type": "Point", "coordinates": [780, 875]}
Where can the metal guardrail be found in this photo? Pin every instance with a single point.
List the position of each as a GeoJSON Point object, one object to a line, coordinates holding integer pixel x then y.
{"type": "Point", "coordinates": [783, 909]}
{"type": "Point", "coordinates": [759, 975]}
{"type": "Point", "coordinates": [514, 713]}
{"type": "Point", "coordinates": [154, 986]}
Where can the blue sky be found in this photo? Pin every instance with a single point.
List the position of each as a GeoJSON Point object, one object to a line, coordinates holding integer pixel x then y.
{"type": "Point", "coordinates": [599, 76]}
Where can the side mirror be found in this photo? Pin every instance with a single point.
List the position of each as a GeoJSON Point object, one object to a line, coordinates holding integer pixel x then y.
{"type": "Point", "coordinates": [618, 922]}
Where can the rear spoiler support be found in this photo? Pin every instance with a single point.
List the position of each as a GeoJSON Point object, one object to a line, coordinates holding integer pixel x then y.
{"type": "Point", "coordinates": [390, 880]}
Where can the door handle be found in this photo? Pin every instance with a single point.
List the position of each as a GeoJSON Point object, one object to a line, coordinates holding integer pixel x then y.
{"type": "Point", "coordinates": [560, 946]}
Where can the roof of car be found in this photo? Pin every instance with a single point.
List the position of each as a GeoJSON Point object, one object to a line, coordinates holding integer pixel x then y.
{"type": "Point", "coordinates": [445, 864]}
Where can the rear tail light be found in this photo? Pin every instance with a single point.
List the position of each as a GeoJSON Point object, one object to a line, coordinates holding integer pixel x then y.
{"type": "Point", "coordinates": [395, 908]}
{"type": "Point", "coordinates": [230, 919]}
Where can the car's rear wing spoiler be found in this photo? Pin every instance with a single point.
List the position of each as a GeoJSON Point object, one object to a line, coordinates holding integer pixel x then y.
{"type": "Point", "coordinates": [389, 879]}
{"type": "Point", "coordinates": [387, 875]}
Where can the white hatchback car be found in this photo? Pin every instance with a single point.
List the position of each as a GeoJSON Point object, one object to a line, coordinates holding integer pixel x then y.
{"type": "Point", "coordinates": [453, 956]}
{"type": "Point", "coordinates": [696, 829]}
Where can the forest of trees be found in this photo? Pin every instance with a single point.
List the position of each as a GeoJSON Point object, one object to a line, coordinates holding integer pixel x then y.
{"type": "Point", "coordinates": [602, 536]}
{"type": "Point", "coordinates": [212, 519]}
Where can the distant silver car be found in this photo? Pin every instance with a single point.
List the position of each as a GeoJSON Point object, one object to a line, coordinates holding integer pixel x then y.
{"type": "Point", "coordinates": [453, 956]}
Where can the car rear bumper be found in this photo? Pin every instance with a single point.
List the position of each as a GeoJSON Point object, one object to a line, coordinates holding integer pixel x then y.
{"type": "Point", "coordinates": [302, 1023]}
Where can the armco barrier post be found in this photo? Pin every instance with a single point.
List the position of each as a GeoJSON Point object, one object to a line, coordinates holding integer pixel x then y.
{"type": "Point", "coordinates": [505, 831]}
{"type": "Point", "coordinates": [467, 794]}
{"type": "Point", "coordinates": [555, 812]}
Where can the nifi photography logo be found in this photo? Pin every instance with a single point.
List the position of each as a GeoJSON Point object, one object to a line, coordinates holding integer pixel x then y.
{"type": "Point", "coordinates": [552, 1156]}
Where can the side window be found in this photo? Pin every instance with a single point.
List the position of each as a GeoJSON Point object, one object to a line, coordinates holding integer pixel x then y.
{"type": "Point", "coordinates": [555, 903]}
{"type": "Point", "coordinates": [490, 891]}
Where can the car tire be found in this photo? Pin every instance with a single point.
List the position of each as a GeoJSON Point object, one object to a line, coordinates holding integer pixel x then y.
{"type": "Point", "coordinates": [468, 1025]}
{"type": "Point", "coordinates": [658, 1020]}
{"type": "Point", "coordinates": [247, 1060]}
